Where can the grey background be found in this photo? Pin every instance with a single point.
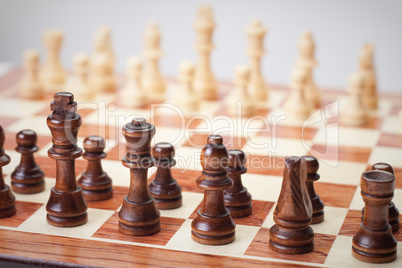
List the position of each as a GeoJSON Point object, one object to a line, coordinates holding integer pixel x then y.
{"type": "Point", "coordinates": [340, 29]}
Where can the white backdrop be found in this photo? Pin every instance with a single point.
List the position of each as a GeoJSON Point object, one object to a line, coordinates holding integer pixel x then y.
{"type": "Point", "coordinates": [340, 29]}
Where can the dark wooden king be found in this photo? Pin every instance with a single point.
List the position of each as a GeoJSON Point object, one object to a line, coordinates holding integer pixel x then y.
{"type": "Point", "coordinates": [138, 215]}
{"type": "Point", "coordinates": [7, 199]}
{"type": "Point", "coordinates": [291, 233]}
{"type": "Point", "coordinates": [66, 206]}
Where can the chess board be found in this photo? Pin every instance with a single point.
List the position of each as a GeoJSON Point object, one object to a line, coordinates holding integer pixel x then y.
{"type": "Point", "coordinates": [344, 153]}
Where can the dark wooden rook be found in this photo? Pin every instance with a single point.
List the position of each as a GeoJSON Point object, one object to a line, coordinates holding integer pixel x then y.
{"type": "Point", "coordinates": [95, 183]}
{"type": "Point", "coordinates": [291, 233]}
{"type": "Point", "coordinates": [312, 176]}
{"type": "Point", "coordinates": [213, 224]}
{"type": "Point", "coordinates": [27, 177]}
{"type": "Point", "coordinates": [237, 198]}
{"type": "Point", "coordinates": [7, 199]}
{"type": "Point", "coordinates": [66, 206]}
{"type": "Point", "coordinates": [138, 215]}
{"type": "Point", "coordinates": [164, 188]}
{"type": "Point", "coordinates": [374, 241]}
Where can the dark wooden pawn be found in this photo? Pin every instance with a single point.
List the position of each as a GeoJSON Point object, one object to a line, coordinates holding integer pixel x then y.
{"type": "Point", "coordinates": [138, 216]}
{"type": "Point", "coordinates": [312, 176]}
{"type": "Point", "coordinates": [7, 199]}
{"type": "Point", "coordinates": [66, 206]}
{"type": "Point", "coordinates": [164, 188]}
{"type": "Point", "coordinates": [374, 241]}
{"type": "Point", "coordinates": [393, 213]}
{"type": "Point", "coordinates": [95, 183]}
{"type": "Point", "coordinates": [27, 177]}
{"type": "Point", "coordinates": [291, 233]}
{"type": "Point", "coordinates": [213, 224]}
{"type": "Point", "coordinates": [237, 198]}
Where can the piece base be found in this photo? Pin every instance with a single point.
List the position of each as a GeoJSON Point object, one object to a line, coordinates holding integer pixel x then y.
{"type": "Point", "coordinates": [317, 217]}
{"type": "Point", "coordinates": [240, 212]}
{"type": "Point", "coordinates": [67, 222]}
{"type": "Point", "coordinates": [291, 250]}
{"type": "Point", "coordinates": [213, 240]}
{"type": "Point", "coordinates": [23, 188]}
{"type": "Point", "coordinates": [166, 204]}
{"type": "Point", "coordinates": [373, 258]}
{"type": "Point", "coordinates": [140, 231]}
{"type": "Point", "coordinates": [94, 196]}
{"type": "Point", "coordinates": [8, 212]}
{"type": "Point", "coordinates": [394, 226]}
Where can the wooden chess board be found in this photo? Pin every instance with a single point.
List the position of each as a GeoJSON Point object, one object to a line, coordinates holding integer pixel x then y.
{"type": "Point", "coordinates": [344, 153]}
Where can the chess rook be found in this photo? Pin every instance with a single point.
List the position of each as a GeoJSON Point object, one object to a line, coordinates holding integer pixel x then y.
{"type": "Point", "coordinates": [291, 233]}
{"type": "Point", "coordinates": [312, 176]}
{"type": "Point", "coordinates": [237, 198]}
{"type": "Point", "coordinates": [213, 224]}
{"type": "Point", "coordinates": [7, 199]}
{"type": "Point", "coordinates": [27, 177]}
{"type": "Point", "coordinates": [138, 215]}
{"type": "Point", "coordinates": [95, 183]}
{"type": "Point", "coordinates": [374, 241]}
{"type": "Point", "coordinates": [165, 190]}
{"type": "Point", "coordinates": [66, 206]}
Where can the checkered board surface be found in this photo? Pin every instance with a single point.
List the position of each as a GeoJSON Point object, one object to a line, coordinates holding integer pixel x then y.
{"type": "Point", "coordinates": [344, 153]}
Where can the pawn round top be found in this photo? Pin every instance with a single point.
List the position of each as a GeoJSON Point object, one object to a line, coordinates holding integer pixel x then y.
{"type": "Point", "coordinates": [26, 138]}
{"type": "Point", "coordinates": [378, 183]}
{"type": "Point", "coordinates": [94, 144]}
{"type": "Point", "coordinates": [356, 80]}
{"type": "Point", "coordinates": [186, 68]}
{"type": "Point", "coordinates": [31, 55]}
{"type": "Point", "coordinates": [134, 63]}
{"type": "Point", "coordinates": [383, 166]}
{"type": "Point", "coordinates": [237, 158]}
{"type": "Point", "coordinates": [214, 156]}
{"type": "Point", "coordinates": [312, 164]}
{"type": "Point", "coordinates": [81, 59]}
{"type": "Point", "coordinates": [242, 72]}
{"type": "Point", "coordinates": [163, 150]}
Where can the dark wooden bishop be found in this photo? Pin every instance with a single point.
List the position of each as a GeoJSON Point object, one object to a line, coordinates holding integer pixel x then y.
{"type": "Point", "coordinates": [374, 241]}
{"type": "Point", "coordinates": [138, 215]}
{"type": "Point", "coordinates": [213, 224]}
{"type": "Point", "coordinates": [66, 206]}
{"type": "Point", "coordinates": [312, 176]}
{"type": "Point", "coordinates": [95, 183]}
{"type": "Point", "coordinates": [27, 177]}
{"type": "Point", "coordinates": [7, 199]}
{"type": "Point", "coordinates": [237, 198]}
{"type": "Point", "coordinates": [164, 188]}
{"type": "Point", "coordinates": [291, 233]}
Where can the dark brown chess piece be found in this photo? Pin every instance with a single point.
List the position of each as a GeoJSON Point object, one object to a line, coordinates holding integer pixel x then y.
{"type": "Point", "coordinates": [138, 215]}
{"type": "Point", "coordinates": [66, 206]}
{"type": "Point", "coordinates": [312, 176]}
{"type": "Point", "coordinates": [237, 198]}
{"type": "Point", "coordinates": [213, 224]}
{"type": "Point", "coordinates": [291, 233]}
{"type": "Point", "coordinates": [27, 177]}
{"type": "Point", "coordinates": [165, 190]}
{"type": "Point", "coordinates": [7, 199]}
{"type": "Point", "coordinates": [374, 241]}
{"type": "Point", "coordinates": [393, 213]}
{"type": "Point", "coordinates": [95, 183]}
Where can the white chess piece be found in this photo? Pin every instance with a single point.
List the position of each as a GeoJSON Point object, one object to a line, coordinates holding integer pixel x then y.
{"type": "Point", "coordinates": [355, 112]}
{"type": "Point", "coordinates": [187, 99]}
{"type": "Point", "coordinates": [296, 106]}
{"type": "Point", "coordinates": [241, 97]}
{"type": "Point", "coordinates": [30, 85]}
{"type": "Point", "coordinates": [79, 83]}
{"type": "Point", "coordinates": [132, 93]}
{"type": "Point", "coordinates": [366, 67]}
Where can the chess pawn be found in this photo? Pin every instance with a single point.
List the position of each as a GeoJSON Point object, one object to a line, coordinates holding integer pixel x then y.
{"type": "Point", "coordinates": [27, 177]}
{"type": "Point", "coordinates": [187, 99]}
{"type": "Point", "coordinates": [213, 224]}
{"type": "Point", "coordinates": [132, 94]}
{"type": "Point", "coordinates": [165, 190]}
{"type": "Point", "coordinates": [307, 61]}
{"type": "Point", "coordinates": [374, 242]}
{"type": "Point", "coordinates": [241, 96]}
{"type": "Point", "coordinates": [30, 85]}
{"type": "Point", "coordinates": [312, 176]}
{"type": "Point", "coordinates": [106, 34]}
{"type": "Point", "coordinates": [237, 198]}
{"type": "Point", "coordinates": [96, 185]}
{"type": "Point", "coordinates": [297, 106]}
{"type": "Point", "coordinates": [255, 50]}
{"type": "Point", "coordinates": [53, 75]}
{"type": "Point", "coordinates": [138, 215]}
{"type": "Point", "coordinates": [366, 67]}
{"type": "Point", "coordinates": [7, 199]}
{"type": "Point", "coordinates": [204, 81]}
{"type": "Point", "coordinates": [80, 85]}
{"type": "Point", "coordinates": [291, 233]}
{"type": "Point", "coordinates": [152, 80]}
{"type": "Point", "coordinates": [355, 112]}
{"type": "Point", "coordinates": [66, 206]}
